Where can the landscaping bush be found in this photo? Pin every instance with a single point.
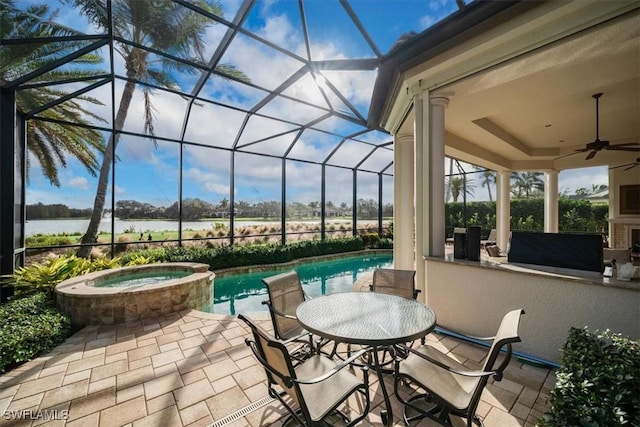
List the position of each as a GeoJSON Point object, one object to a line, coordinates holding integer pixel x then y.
{"type": "Point", "coordinates": [221, 257]}
{"type": "Point", "coordinates": [30, 326]}
{"type": "Point", "coordinates": [598, 382]}
{"type": "Point", "coordinates": [44, 277]}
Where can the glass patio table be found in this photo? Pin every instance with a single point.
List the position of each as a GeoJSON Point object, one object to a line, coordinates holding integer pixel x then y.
{"type": "Point", "coordinates": [370, 319]}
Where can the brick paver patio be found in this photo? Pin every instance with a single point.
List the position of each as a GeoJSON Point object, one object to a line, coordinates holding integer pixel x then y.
{"type": "Point", "coordinates": [194, 369]}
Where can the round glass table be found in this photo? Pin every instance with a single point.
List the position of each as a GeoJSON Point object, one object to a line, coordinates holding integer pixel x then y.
{"type": "Point", "coordinates": [370, 319]}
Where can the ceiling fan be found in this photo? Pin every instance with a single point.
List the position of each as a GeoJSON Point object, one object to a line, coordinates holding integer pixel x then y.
{"type": "Point", "coordinates": [598, 144]}
{"type": "Point", "coordinates": [630, 165]}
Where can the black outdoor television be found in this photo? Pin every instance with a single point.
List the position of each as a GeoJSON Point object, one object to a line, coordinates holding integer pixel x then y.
{"type": "Point", "coordinates": [564, 250]}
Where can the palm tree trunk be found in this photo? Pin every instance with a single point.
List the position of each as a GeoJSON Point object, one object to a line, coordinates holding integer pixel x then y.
{"type": "Point", "coordinates": [489, 190]}
{"type": "Point", "coordinates": [103, 181]}
{"type": "Point", "coordinates": [448, 189]}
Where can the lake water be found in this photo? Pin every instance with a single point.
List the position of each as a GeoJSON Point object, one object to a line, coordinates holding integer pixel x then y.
{"type": "Point", "coordinates": [57, 226]}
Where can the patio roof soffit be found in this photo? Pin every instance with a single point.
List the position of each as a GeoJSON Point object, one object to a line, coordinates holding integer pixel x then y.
{"type": "Point", "coordinates": [454, 30]}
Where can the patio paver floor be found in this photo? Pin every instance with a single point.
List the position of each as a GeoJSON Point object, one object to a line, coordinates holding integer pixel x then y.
{"type": "Point", "coordinates": [193, 368]}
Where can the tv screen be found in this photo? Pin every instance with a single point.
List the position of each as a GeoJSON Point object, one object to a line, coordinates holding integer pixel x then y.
{"type": "Point", "coordinates": [564, 250]}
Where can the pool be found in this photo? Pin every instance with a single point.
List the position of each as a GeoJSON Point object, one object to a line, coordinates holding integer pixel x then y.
{"type": "Point", "coordinates": [141, 279]}
{"type": "Point", "coordinates": [244, 293]}
{"type": "Point", "coordinates": [134, 293]}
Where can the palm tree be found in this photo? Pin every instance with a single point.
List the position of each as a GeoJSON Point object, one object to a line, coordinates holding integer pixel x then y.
{"type": "Point", "coordinates": [488, 178]}
{"type": "Point", "coordinates": [598, 188]}
{"type": "Point", "coordinates": [527, 182]}
{"type": "Point", "coordinates": [49, 143]}
{"type": "Point", "coordinates": [460, 185]}
{"type": "Point", "coordinates": [447, 181]}
{"type": "Point", "coordinates": [162, 25]}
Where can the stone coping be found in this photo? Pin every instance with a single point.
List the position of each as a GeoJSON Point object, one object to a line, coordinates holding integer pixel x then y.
{"type": "Point", "coordinates": [81, 286]}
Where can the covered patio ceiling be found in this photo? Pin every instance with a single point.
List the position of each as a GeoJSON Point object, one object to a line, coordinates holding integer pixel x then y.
{"type": "Point", "coordinates": [527, 112]}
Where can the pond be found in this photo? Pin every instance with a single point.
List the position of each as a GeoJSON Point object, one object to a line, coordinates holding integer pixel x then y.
{"type": "Point", "coordinates": [244, 293]}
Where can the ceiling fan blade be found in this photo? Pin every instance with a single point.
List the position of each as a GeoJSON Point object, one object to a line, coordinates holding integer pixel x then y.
{"type": "Point", "coordinates": [621, 166]}
{"type": "Point", "coordinates": [618, 148]}
{"type": "Point", "coordinates": [578, 151]}
{"type": "Point", "coordinates": [632, 166]}
{"type": "Point", "coordinates": [627, 144]}
{"type": "Point", "coordinates": [591, 155]}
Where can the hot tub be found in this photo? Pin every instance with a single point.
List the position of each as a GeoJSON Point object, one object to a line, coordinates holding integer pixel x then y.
{"type": "Point", "coordinates": [134, 293]}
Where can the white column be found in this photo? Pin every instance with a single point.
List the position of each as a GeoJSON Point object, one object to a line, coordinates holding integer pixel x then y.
{"type": "Point", "coordinates": [503, 208]}
{"type": "Point", "coordinates": [551, 201]}
{"type": "Point", "coordinates": [435, 161]}
{"type": "Point", "coordinates": [403, 206]}
{"type": "Point", "coordinates": [420, 122]}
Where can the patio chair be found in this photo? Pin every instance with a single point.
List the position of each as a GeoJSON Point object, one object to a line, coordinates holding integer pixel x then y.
{"type": "Point", "coordinates": [451, 388]}
{"type": "Point", "coordinates": [316, 387]}
{"type": "Point", "coordinates": [395, 282]}
{"type": "Point", "coordinates": [456, 230]}
{"type": "Point", "coordinates": [285, 295]}
{"type": "Point", "coordinates": [491, 239]}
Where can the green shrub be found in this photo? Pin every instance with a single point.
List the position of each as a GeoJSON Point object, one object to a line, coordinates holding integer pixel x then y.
{"type": "Point", "coordinates": [598, 383]}
{"type": "Point", "coordinates": [44, 277]}
{"type": "Point", "coordinates": [220, 257]}
{"type": "Point", "coordinates": [30, 326]}
{"type": "Point", "coordinates": [370, 239]}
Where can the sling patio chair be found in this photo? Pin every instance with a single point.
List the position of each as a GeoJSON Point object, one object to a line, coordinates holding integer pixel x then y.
{"type": "Point", "coordinates": [395, 282]}
{"type": "Point", "coordinates": [313, 390]}
{"type": "Point", "coordinates": [285, 295]}
{"type": "Point", "coordinates": [451, 388]}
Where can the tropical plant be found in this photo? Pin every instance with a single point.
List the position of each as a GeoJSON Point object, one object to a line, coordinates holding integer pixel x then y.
{"type": "Point", "coordinates": [43, 277]}
{"type": "Point", "coordinates": [163, 25]}
{"type": "Point", "coordinates": [598, 381]}
{"type": "Point", "coordinates": [461, 185]}
{"type": "Point", "coordinates": [487, 179]}
{"type": "Point", "coordinates": [49, 142]}
{"type": "Point", "coordinates": [525, 184]}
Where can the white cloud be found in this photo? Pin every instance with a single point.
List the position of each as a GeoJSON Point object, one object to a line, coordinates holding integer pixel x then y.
{"type": "Point", "coordinates": [79, 182]}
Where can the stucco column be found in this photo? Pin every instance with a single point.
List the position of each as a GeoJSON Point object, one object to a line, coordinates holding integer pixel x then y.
{"type": "Point", "coordinates": [435, 176]}
{"type": "Point", "coordinates": [503, 208]}
{"type": "Point", "coordinates": [420, 123]}
{"type": "Point", "coordinates": [551, 201]}
{"type": "Point", "coordinates": [403, 206]}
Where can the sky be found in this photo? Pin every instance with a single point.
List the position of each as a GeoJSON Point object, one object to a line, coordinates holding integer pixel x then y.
{"type": "Point", "coordinates": [148, 172]}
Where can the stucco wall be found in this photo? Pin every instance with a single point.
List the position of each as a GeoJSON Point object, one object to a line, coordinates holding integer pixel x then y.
{"type": "Point", "coordinates": [472, 300]}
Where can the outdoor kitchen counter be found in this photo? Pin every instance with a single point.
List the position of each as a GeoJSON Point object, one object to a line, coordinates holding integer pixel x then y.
{"type": "Point", "coordinates": [500, 263]}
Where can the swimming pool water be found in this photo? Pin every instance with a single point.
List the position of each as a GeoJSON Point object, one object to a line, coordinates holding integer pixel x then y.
{"type": "Point", "coordinates": [141, 279]}
{"type": "Point", "coordinates": [244, 293]}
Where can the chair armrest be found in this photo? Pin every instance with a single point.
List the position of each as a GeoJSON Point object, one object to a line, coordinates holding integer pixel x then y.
{"type": "Point", "coordinates": [278, 312]}
{"type": "Point", "coordinates": [288, 381]}
{"type": "Point", "coordinates": [305, 335]}
{"type": "Point", "coordinates": [467, 335]}
{"type": "Point", "coordinates": [333, 371]}
{"type": "Point", "coordinates": [446, 367]}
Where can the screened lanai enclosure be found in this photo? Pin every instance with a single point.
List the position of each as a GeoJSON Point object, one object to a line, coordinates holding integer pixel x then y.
{"type": "Point", "coordinates": [193, 121]}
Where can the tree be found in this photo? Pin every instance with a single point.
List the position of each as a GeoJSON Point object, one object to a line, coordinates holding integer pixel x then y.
{"type": "Point", "coordinates": [488, 178]}
{"type": "Point", "coordinates": [162, 25]}
{"type": "Point", "coordinates": [526, 183]}
{"type": "Point", "coordinates": [49, 143]}
{"type": "Point", "coordinates": [459, 185]}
